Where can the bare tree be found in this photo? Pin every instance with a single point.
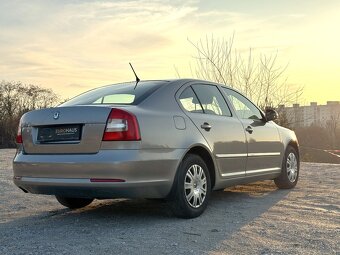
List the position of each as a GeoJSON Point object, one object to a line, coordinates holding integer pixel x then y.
{"type": "Point", "coordinates": [16, 99]}
{"type": "Point", "coordinates": [261, 79]}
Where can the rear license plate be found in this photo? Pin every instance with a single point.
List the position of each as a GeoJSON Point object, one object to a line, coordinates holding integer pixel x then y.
{"type": "Point", "coordinates": [59, 133]}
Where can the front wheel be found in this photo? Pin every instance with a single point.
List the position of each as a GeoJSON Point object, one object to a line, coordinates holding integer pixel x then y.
{"type": "Point", "coordinates": [192, 188]}
{"type": "Point", "coordinates": [290, 170]}
{"type": "Point", "coordinates": [74, 203]}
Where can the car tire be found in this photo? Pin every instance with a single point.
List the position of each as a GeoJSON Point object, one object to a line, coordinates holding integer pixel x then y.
{"type": "Point", "coordinates": [191, 191]}
{"type": "Point", "coordinates": [290, 170]}
{"type": "Point", "coordinates": [74, 203]}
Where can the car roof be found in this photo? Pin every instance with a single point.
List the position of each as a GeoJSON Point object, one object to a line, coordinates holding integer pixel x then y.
{"type": "Point", "coordinates": [184, 80]}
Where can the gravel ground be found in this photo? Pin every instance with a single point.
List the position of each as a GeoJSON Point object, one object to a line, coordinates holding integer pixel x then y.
{"type": "Point", "coordinates": [248, 219]}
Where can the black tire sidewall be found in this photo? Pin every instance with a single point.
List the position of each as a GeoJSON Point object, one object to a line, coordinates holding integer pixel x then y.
{"type": "Point", "coordinates": [74, 203]}
{"type": "Point", "coordinates": [283, 181]}
{"type": "Point", "coordinates": [182, 207]}
{"type": "Point", "coordinates": [292, 150]}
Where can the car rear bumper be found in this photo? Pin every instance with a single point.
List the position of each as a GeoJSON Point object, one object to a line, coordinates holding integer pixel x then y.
{"type": "Point", "coordinates": [86, 189]}
{"type": "Point", "coordinates": [106, 174]}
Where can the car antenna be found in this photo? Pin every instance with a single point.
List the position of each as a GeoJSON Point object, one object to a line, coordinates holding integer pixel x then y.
{"type": "Point", "coordinates": [137, 79]}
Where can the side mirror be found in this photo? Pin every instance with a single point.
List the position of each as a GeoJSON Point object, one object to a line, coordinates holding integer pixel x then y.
{"type": "Point", "coordinates": [271, 114]}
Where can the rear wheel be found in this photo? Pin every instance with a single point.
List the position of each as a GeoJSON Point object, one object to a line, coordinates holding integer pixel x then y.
{"type": "Point", "coordinates": [192, 188]}
{"type": "Point", "coordinates": [74, 203]}
{"type": "Point", "coordinates": [290, 170]}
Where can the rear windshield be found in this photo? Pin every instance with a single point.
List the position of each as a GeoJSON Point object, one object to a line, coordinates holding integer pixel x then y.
{"type": "Point", "coordinates": [124, 93]}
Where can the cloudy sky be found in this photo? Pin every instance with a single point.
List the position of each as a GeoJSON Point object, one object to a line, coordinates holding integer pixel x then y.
{"type": "Point", "coordinates": [72, 46]}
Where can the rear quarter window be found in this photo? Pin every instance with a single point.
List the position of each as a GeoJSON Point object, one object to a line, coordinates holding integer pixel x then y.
{"type": "Point", "coordinates": [189, 101]}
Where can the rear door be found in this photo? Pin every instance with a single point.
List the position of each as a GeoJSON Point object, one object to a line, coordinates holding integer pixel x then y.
{"type": "Point", "coordinates": [264, 144]}
{"type": "Point", "coordinates": [206, 107]}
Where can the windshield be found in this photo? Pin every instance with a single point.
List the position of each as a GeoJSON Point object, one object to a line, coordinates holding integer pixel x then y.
{"type": "Point", "coordinates": [124, 93]}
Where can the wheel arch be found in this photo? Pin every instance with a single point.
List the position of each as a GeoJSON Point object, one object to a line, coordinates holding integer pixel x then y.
{"type": "Point", "coordinates": [292, 143]}
{"type": "Point", "coordinates": [205, 154]}
{"type": "Point", "coordinates": [295, 145]}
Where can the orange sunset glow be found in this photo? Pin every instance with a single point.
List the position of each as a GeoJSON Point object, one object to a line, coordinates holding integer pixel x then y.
{"type": "Point", "coordinates": [73, 46]}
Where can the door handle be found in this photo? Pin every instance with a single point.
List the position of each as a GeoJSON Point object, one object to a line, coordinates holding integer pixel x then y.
{"type": "Point", "coordinates": [206, 126]}
{"type": "Point", "coordinates": [249, 129]}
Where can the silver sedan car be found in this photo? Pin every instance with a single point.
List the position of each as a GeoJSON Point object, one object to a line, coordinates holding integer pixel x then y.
{"type": "Point", "coordinates": [174, 139]}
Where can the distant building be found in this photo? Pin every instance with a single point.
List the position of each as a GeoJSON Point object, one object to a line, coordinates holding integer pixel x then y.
{"type": "Point", "coordinates": [313, 114]}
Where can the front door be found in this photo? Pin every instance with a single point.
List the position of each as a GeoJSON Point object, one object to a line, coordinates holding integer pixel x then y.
{"type": "Point", "coordinates": [264, 146]}
{"type": "Point", "coordinates": [207, 108]}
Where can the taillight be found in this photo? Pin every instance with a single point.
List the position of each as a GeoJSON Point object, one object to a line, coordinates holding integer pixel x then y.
{"type": "Point", "coordinates": [18, 138]}
{"type": "Point", "coordinates": [121, 126]}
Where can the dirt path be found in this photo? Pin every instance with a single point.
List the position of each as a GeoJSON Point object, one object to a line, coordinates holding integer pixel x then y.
{"type": "Point", "coordinates": [248, 219]}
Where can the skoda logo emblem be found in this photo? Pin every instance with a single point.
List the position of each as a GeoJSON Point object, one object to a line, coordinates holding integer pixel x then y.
{"type": "Point", "coordinates": [56, 115]}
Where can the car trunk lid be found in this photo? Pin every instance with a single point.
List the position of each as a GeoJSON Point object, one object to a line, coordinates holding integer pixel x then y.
{"type": "Point", "coordinates": [64, 130]}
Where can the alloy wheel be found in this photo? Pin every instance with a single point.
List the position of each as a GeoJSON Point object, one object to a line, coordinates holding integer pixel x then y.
{"type": "Point", "coordinates": [292, 167]}
{"type": "Point", "coordinates": [195, 186]}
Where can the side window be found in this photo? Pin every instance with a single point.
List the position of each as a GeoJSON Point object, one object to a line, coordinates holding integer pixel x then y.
{"type": "Point", "coordinates": [244, 108]}
{"type": "Point", "coordinates": [189, 101]}
{"type": "Point", "coordinates": [211, 100]}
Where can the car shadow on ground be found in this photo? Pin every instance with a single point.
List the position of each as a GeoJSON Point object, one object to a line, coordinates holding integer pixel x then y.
{"type": "Point", "coordinates": [146, 225]}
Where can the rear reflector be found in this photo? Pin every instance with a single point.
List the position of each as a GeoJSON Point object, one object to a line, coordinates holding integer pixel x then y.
{"type": "Point", "coordinates": [18, 139]}
{"type": "Point", "coordinates": [106, 180]}
{"type": "Point", "coordinates": [121, 126]}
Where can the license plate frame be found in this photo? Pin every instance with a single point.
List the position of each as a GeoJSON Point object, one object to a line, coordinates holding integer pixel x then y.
{"type": "Point", "coordinates": [59, 133]}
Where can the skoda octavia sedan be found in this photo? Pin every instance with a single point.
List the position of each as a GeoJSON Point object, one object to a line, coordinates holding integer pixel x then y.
{"type": "Point", "coordinates": [174, 139]}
